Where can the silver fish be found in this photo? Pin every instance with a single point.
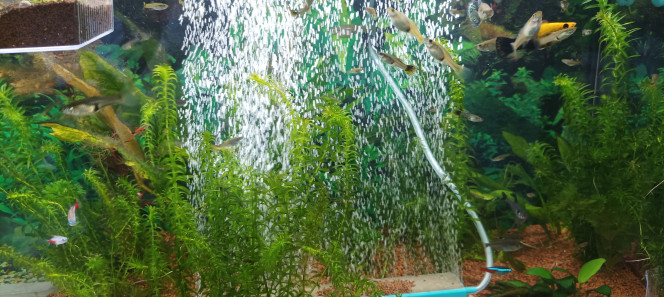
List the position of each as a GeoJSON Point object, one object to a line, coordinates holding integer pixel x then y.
{"type": "Point", "coordinates": [307, 6]}
{"type": "Point", "coordinates": [500, 157]}
{"type": "Point", "coordinates": [571, 62]}
{"type": "Point", "coordinates": [473, 14]}
{"type": "Point", "coordinates": [554, 37]}
{"type": "Point", "coordinates": [528, 31]}
{"type": "Point", "coordinates": [438, 52]}
{"type": "Point", "coordinates": [405, 24]}
{"type": "Point", "coordinates": [396, 62]}
{"type": "Point", "coordinates": [90, 105]}
{"type": "Point", "coordinates": [520, 215]}
{"type": "Point", "coordinates": [471, 117]}
{"type": "Point", "coordinates": [228, 143]}
{"type": "Point", "coordinates": [506, 245]}
{"type": "Point", "coordinates": [484, 12]}
{"type": "Point", "coordinates": [346, 31]}
{"type": "Point", "coordinates": [564, 5]}
{"type": "Point", "coordinates": [372, 12]}
{"type": "Point", "coordinates": [486, 46]}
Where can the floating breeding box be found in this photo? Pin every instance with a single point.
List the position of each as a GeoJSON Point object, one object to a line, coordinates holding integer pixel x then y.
{"type": "Point", "coordinates": [43, 25]}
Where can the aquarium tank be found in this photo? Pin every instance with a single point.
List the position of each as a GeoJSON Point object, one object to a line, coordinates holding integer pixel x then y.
{"type": "Point", "coordinates": [331, 148]}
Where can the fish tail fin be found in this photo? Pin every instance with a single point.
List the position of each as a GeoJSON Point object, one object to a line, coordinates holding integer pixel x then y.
{"type": "Point", "coordinates": [419, 37]}
{"type": "Point", "coordinates": [463, 73]}
{"type": "Point", "coordinates": [532, 45]}
{"type": "Point", "coordinates": [410, 69]}
{"type": "Point", "coordinates": [512, 45]}
{"type": "Point", "coordinates": [144, 5]}
{"type": "Point", "coordinates": [126, 99]}
{"type": "Point", "coordinates": [504, 46]}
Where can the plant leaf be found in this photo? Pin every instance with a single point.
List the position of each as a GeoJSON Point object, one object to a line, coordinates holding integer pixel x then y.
{"type": "Point", "coordinates": [518, 144]}
{"type": "Point", "coordinates": [565, 150]}
{"type": "Point", "coordinates": [518, 284]}
{"type": "Point", "coordinates": [589, 269]}
{"type": "Point", "coordinates": [539, 271]}
{"type": "Point", "coordinates": [566, 282]}
{"type": "Point", "coordinates": [560, 269]}
{"type": "Point", "coordinates": [5, 209]}
{"type": "Point", "coordinates": [604, 290]}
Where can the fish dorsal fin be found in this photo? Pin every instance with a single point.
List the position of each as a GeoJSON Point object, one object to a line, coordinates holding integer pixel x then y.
{"type": "Point", "coordinates": [544, 21]}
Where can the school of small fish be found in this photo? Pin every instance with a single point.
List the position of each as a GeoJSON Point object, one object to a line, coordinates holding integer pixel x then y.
{"type": "Point", "coordinates": [71, 220]}
{"type": "Point", "coordinates": [535, 34]}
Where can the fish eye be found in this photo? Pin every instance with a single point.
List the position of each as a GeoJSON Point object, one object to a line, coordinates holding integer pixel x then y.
{"type": "Point", "coordinates": [565, 26]}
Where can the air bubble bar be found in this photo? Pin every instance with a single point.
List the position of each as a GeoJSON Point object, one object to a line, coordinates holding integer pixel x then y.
{"type": "Point", "coordinates": [448, 182]}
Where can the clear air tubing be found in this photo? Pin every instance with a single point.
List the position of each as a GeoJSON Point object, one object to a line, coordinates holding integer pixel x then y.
{"type": "Point", "coordinates": [437, 168]}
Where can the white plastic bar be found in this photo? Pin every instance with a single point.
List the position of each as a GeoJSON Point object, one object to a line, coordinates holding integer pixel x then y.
{"type": "Point", "coordinates": [436, 167]}
{"type": "Point", "coordinates": [17, 50]}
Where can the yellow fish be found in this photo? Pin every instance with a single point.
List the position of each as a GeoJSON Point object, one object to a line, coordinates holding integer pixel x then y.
{"type": "Point", "coordinates": [547, 28]}
{"type": "Point", "coordinates": [155, 6]}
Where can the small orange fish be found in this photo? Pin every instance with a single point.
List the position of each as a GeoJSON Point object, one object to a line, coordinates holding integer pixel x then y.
{"type": "Point", "coordinates": [138, 131]}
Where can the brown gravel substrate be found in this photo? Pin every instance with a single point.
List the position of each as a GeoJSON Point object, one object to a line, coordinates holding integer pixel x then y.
{"type": "Point", "coordinates": [556, 252]}
{"type": "Point", "coordinates": [403, 262]}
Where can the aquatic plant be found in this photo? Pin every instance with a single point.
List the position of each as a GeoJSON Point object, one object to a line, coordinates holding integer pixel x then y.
{"type": "Point", "coordinates": [615, 38]}
{"type": "Point", "coordinates": [515, 106]}
{"type": "Point", "coordinates": [549, 285]}
{"type": "Point", "coordinates": [142, 247]}
{"type": "Point", "coordinates": [595, 176]}
{"type": "Point", "coordinates": [30, 159]}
